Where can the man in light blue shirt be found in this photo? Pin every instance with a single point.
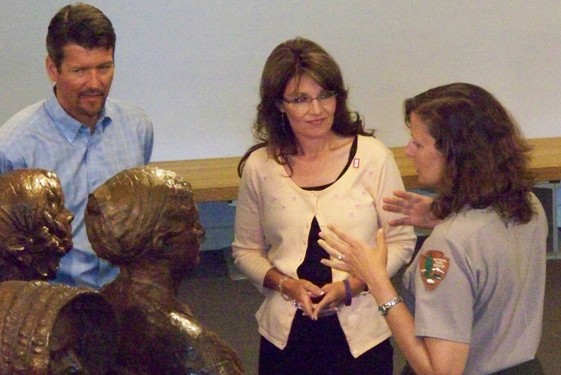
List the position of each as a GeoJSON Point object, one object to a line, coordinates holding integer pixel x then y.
{"type": "Point", "coordinates": [77, 132]}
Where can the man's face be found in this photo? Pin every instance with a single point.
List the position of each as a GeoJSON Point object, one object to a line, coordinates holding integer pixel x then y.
{"type": "Point", "coordinates": [83, 81]}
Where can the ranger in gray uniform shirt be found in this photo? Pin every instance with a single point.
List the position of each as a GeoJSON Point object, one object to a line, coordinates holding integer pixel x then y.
{"type": "Point", "coordinates": [475, 291]}
{"type": "Point", "coordinates": [488, 297]}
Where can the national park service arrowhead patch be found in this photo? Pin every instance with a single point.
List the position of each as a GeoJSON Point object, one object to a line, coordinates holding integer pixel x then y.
{"type": "Point", "coordinates": [434, 267]}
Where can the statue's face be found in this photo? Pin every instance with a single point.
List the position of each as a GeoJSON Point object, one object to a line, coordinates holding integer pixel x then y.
{"type": "Point", "coordinates": [190, 240]}
{"type": "Point", "coordinates": [60, 230]}
{"type": "Point", "coordinates": [64, 219]}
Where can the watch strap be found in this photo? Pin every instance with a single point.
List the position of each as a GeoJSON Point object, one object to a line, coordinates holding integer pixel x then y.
{"type": "Point", "coordinates": [383, 309]}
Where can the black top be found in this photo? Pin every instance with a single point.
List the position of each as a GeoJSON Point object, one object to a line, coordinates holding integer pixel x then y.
{"type": "Point", "coordinates": [311, 268]}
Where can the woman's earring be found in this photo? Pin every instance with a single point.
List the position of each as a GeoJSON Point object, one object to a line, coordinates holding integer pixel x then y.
{"type": "Point", "coordinates": [283, 122]}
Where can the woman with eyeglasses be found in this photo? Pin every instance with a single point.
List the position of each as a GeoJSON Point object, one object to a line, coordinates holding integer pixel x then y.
{"type": "Point", "coordinates": [313, 164]}
{"type": "Point", "coordinates": [475, 292]}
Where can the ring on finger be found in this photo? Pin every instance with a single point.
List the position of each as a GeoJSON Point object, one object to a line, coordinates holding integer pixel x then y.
{"type": "Point", "coordinates": [340, 256]}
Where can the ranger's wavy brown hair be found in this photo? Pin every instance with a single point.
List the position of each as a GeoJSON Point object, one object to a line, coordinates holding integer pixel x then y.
{"type": "Point", "coordinates": [486, 156]}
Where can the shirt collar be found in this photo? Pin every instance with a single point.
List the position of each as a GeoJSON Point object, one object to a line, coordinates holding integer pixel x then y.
{"type": "Point", "coordinates": [67, 124]}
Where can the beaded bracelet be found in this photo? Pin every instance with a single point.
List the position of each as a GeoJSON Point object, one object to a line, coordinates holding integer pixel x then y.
{"type": "Point", "coordinates": [284, 296]}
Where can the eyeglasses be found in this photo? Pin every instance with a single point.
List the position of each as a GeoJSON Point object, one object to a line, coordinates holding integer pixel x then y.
{"type": "Point", "coordinates": [304, 101]}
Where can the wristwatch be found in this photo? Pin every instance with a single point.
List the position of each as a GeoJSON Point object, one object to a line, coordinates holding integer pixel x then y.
{"type": "Point", "coordinates": [383, 309]}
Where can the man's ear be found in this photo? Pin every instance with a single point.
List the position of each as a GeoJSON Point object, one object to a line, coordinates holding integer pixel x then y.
{"type": "Point", "coordinates": [52, 69]}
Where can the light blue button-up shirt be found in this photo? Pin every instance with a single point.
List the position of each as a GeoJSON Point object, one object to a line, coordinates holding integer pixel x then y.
{"type": "Point", "coordinates": [44, 136]}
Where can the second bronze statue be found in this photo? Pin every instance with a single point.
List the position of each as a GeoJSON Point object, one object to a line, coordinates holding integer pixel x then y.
{"type": "Point", "coordinates": [144, 220]}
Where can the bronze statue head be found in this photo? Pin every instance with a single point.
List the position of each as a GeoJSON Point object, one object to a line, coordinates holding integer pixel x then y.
{"type": "Point", "coordinates": [145, 215]}
{"type": "Point", "coordinates": [35, 230]}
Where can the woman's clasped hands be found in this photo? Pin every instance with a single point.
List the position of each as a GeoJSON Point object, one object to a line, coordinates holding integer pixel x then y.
{"type": "Point", "coordinates": [314, 301]}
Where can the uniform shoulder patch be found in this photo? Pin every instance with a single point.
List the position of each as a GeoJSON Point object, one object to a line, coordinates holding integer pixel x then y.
{"type": "Point", "coordinates": [434, 267]}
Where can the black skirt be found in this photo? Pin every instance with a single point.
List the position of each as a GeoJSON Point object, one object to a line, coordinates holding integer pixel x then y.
{"type": "Point", "coordinates": [320, 347]}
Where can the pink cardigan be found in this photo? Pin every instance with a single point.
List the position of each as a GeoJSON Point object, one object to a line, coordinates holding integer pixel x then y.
{"type": "Point", "coordinates": [273, 220]}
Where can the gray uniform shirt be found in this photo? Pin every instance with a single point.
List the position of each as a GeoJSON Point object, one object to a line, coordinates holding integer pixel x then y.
{"type": "Point", "coordinates": [484, 286]}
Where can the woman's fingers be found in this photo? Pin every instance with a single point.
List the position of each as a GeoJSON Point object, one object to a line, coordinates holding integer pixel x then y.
{"type": "Point", "coordinates": [327, 244]}
{"type": "Point", "coordinates": [381, 239]}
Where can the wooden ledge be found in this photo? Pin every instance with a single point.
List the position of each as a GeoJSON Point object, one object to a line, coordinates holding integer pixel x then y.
{"type": "Point", "coordinates": [217, 179]}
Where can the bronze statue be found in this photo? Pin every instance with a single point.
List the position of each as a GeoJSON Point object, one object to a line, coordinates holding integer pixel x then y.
{"type": "Point", "coordinates": [145, 221]}
{"type": "Point", "coordinates": [55, 330]}
{"type": "Point", "coordinates": [35, 230]}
